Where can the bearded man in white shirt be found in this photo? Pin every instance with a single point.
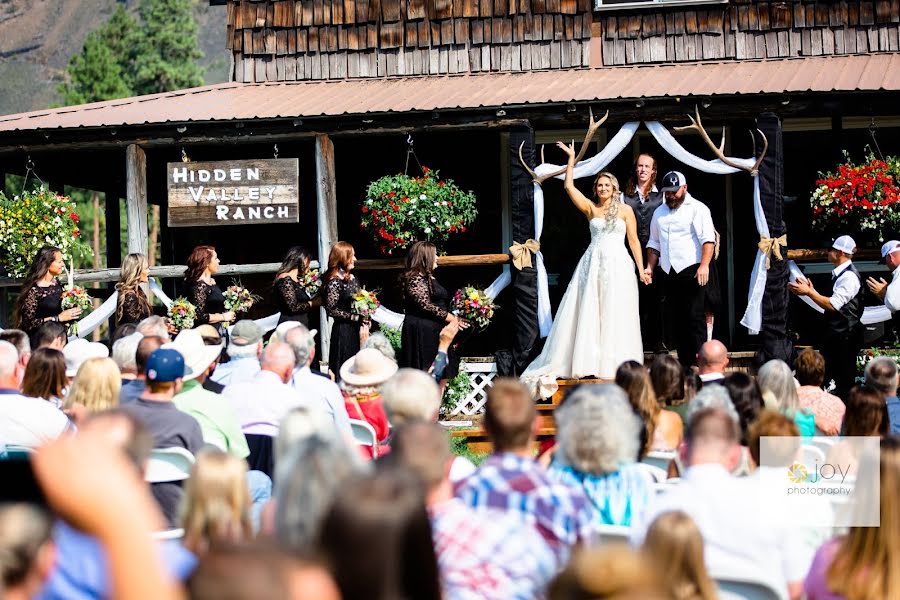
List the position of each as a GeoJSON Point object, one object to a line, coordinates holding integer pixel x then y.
{"type": "Point", "coordinates": [682, 241]}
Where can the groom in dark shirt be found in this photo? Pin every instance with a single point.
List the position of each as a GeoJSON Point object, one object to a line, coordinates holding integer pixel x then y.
{"type": "Point", "coordinates": [643, 197]}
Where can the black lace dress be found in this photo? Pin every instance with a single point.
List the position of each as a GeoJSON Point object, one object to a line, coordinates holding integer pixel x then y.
{"type": "Point", "coordinates": [345, 329]}
{"type": "Point", "coordinates": [40, 303]}
{"type": "Point", "coordinates": [293, 301]}
{"type": "Point", "coordinates": [208, 300]}
{"type": "Point", "coordinates": [134, 307]}
{"type": "Point", "coordinates": [425, 302]}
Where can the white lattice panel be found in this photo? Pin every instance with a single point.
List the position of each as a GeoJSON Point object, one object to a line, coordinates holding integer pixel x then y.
{"type": "Point", "coordinates": [481, 374]}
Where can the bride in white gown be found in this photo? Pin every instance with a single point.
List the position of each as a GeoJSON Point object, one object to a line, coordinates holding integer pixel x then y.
{"type": "Point", "coordinates": [597, 327]}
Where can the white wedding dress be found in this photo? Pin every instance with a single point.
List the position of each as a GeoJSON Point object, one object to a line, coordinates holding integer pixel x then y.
{"type": "Point", "coordinates": [597, 327]}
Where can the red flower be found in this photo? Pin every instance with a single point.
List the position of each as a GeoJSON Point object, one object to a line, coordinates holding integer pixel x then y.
{"type": "Point", "coordinates": [440, 184]}
{"type": "Point", "coordinates": [365, 209]}
{"type": "Point", "coordinates": [397, 207]}
{"type": "Point", "coordinates": [426, 170]}
{"type": "Point", "coordinates": [73, 216]}
{"type": "Point", "coordinates": [391, 220]}
{"type": "Point", "coordinates": [463, 229]}
{"type": "Point", "coordinates": [76, 233]}
{"type": "Point", "coordinates": [392, 194]}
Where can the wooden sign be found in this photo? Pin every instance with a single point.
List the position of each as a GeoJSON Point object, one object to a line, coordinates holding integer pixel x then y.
{"type": "Point", "coordinates": [234, 192]}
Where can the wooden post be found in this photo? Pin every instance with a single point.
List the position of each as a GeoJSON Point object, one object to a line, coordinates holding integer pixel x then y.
{"type": "Point", "coordinates": [326, 211]}
{"type": "Point", "coordinates": [136, 198]}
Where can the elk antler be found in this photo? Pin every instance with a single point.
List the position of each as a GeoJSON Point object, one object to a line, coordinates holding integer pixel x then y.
{"type": "Point", "coordinates": [591, 132]}
{"type": "Point", "coordinates": [697, 125]}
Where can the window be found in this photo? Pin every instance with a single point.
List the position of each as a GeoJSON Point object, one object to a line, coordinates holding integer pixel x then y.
{"type": "Point", "coordinates": [619, 4]}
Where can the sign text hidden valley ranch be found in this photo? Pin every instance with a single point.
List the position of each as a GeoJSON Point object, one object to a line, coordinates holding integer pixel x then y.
{"type": "Point", "coordinates": [233, 192]}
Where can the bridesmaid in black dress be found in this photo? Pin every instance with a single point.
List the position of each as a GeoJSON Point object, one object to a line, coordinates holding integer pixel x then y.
{"type": "Point", "coordinates": [290, 297]}
{"type": "Point", "coordinates": [132, 305]}
{"type": "Point", "coordinates": [201, 289]}
{"type": "Point", "coordinates": [41, 297]}
{"type": "Point", "coordinates": [425, 302]}
{"type": "Point", "coordinates": [348, 331]}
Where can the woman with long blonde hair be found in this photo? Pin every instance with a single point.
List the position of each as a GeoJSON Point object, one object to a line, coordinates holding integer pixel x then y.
{"type": "Point", "coordinates": [95, 388]}
{"type": "Point", "coordinates": [132, 305]}
{"type": "Point", "coordinates": [674, 543]}
{"type": "Point", "coordinates": [865, 563]}
{"type": "Point", "coordinates": [634, 378]}
{"type": "Point", "coordinates": [348, 331]}
{"type": "Point", "coordinates": [216, 505]}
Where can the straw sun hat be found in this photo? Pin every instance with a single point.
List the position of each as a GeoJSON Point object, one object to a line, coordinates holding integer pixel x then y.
{"type": "Point", "coordinates": [369, 367]}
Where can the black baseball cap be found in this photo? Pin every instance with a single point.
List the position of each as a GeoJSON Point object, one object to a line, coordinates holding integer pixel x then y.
{"type": "Point", "coordinates": [672, 180]}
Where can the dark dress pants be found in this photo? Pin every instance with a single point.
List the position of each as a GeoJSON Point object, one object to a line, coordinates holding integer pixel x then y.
{"type": "Point", "coordinates": [684, 311]}
{"type": "Point", "coordinates": [840, 353]}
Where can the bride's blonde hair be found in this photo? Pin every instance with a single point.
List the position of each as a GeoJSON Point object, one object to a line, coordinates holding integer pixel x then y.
{"type": "Point", "coordinates": [612, 178]}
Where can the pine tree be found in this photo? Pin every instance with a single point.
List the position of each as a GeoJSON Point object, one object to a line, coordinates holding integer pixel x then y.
{"type": "Point", "coordinates": [167, 50]}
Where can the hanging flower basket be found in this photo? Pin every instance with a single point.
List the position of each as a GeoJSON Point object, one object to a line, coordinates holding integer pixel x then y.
{"type": "Point", "coordinates": [35, 219]}
{"type": "Point", "coordinates": [860, 199]}
{"type": "Point", "coordinates": [400, 209]}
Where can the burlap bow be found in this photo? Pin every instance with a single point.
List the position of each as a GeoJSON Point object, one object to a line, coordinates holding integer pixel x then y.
{"type": "Point", "coordinates": [521, 253]}
{"type": "Point", "coordinates": [770, 246]}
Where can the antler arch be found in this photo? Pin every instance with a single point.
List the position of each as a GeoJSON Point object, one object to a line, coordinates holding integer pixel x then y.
{"type": "Point", "coordinates": [697, 125]}
{"type": "Point", "coordinates": [593, 127]}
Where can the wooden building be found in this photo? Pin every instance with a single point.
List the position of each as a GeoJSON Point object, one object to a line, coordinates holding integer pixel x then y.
{"type": "Point", "coordinates": [340, 84]}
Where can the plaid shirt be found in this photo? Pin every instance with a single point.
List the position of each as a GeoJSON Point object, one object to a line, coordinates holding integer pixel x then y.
{"type": "Point", "coordinates": [562, 514]}
{"type": "Point", "coordinates": [487, 554]}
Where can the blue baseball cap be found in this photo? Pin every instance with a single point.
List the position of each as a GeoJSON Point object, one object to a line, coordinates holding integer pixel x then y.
{"type": "Point", "coordinates": [166, 364]}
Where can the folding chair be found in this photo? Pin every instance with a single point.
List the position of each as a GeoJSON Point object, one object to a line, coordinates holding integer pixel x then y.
{"type": "Point", "coordinates": [748, 587]}
{"type": "Point", "coordinates": [612, 534]}
{"type": "Point", "coordinates": [364, 434]}
{"type": "Point", "coordinates": [169, 464]}
{"type": "Point", "coordinates": [659, 459]}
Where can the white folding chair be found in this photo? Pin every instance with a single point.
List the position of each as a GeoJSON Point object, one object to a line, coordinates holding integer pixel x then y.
{"type": "Point", "coordinates": [364, 434]}
{"type": "Point", "coordinates": [611, 534]}
{"type": "Point", "coordinates": [739, 587]}
{"type": "Point", "coordinates": [659, 459]}
{"type": "Point", "coordinates": [169, 464]}
{"type": "Point", "coordinates": [657, 474]}
{"type": "Point", "coordinates": [811, 455]}
{"type": "Point", "coordinates": [168, 534]}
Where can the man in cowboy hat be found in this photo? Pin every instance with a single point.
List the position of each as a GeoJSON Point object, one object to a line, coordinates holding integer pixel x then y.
{"type": "Point", "coordinates": [843, 336]}
{"type": "Point", "coordinates": [217, 420]}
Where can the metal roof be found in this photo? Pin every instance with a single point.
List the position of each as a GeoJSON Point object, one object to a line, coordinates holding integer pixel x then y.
{"type": "Point", "coordinates": [237, 101]}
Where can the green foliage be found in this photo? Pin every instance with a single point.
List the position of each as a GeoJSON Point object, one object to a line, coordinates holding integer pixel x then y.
{"type": "Point", "coordinates": [457, 389]}
{"type": "Point", "coordinates": [125, 57]}
{"type": "Point", "coordinates": [459, 447]}
{"type": "Point", "coordinates": [393, 336]}
{"type": "Point", "coordinates": [399, 209]}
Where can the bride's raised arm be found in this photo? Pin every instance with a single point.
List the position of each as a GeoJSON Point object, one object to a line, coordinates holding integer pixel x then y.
{"type": "Point", "coordinates": [578, 199]}
{"type": "Point", "coordinates": [633, 243]}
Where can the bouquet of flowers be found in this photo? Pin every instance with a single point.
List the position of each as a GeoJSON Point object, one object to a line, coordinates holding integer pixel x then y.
{"type": "Point", "coordinates": [75, 296]}
{"type": "Point", "coordinates": [473, 305]}
{"type": "Point", "coordinates": [182, 314]}
{"type": "Point", "coordinates": [364, 304]}
{"type": "Point", "coordinates": [310, 282]}
{"type": "Point", "coordinates": [400, 209]}
{"type": "Point", "coordinates": [859, 197]}
{"type": "Point", "coordinates": [238, 298]}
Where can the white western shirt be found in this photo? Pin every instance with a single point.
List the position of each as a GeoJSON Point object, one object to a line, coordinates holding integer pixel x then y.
{"type": "Point", "coordinates": [260, 403]}
{"type": "Point", "coordinates": [678, 235]}
{"type": "Point", "coordinates": [324, 394]}
{"type": "Point", "coordinates": [845, 288]}
{"type": "Point", "coordinates": [892, 294]}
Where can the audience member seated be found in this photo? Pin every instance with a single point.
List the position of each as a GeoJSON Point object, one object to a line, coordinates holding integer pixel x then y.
{"type": "Point", "coordinates": [881, 374]}
{"type": "Point", "coordinates": [780, 393]}
{"type": "Point", "coordinates": [712, 359]}
{"type": "Point", "coordinates": [827, 409]}
{"type": "Point", "coordinates": [155, 326]}
{"type": "Point", "coordinates": [360, 377]}
{"type": "Point", "coordinates": [80, 571]}
{"type": "Point", "coordinates": [244, 350]}
{"type": "Point", "coordinates": [19, 339]}
{"type": "Point", "coordinates": [134, 389]}
{"type": "Point", "coordinates": [24, 421]}
{"type": "Point", "coordinates": [668, 381]}
{"type": "Point", "coordinates": [259, 572]}
{"type": "Point", "coordinates": [481, 554]}
{"type": "Point", "coordinates": [217, 419]}
{"type": "Point", "coordinates": [598, 437]}
{"type": "Point", "coordinates": [864, 563]}
{"type": "Point", "coordinates": [510, 480]}
{"type": "Point", "coordinates": [717, 396]}
{"type": "Point", "coordinates": [95, 388]}
{"type": "Point", "coordinates": [27, 551]}
{"type": "Point", "coordinates": [51, 334]}
{"type": "Point", "coordinates": [123, 331]}
{"type": "Point", "coordinates": [377, 539]}
{"type": "Point", "coordinates": [169, 427]}
{"type": "Point", "coordinates": [746, 398]}
{"type": "Point", "coordinates": [724, 507]}
{"type": "Point", "coordinates": [674, 546]}
{"type": "Point", "coordinates": [45, 376]}
{"type": "Point", "coordinates": [216, 507]}
{"type": "Point", "coordinates": [124, 353]}
{"type": "Point", "coordinates": [80, 350]}
{"type": "Point", "coordinates": [311, 471]}
{"type": "Point", "coordinates": [609, 572]}
{"type": "Point", "coordinates": [634, 378]}
{"type": "Point", "coordinates": [211, 337]}
{"type": "Point", "coordinates": [321, 393]}
{"type": "Point", "coordinates": [380, 342]}
{"type": "Point", "coordinates": [866, 415]}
